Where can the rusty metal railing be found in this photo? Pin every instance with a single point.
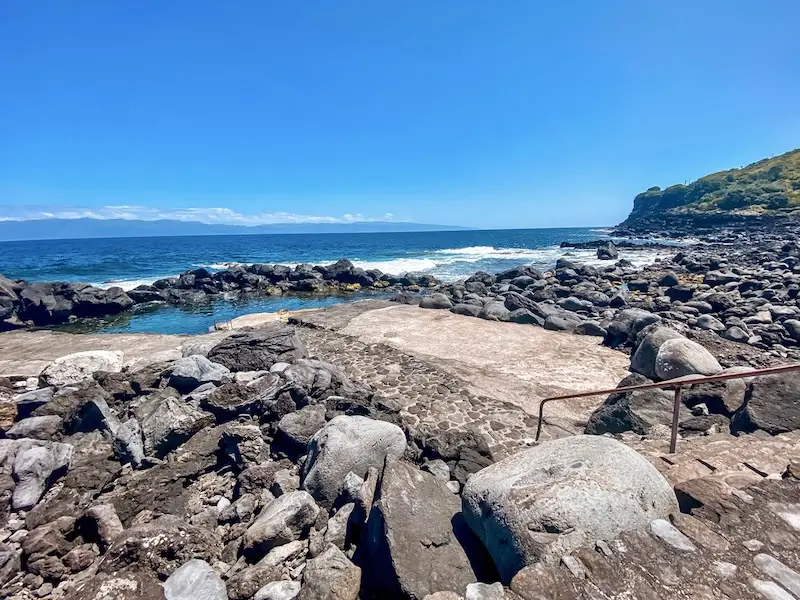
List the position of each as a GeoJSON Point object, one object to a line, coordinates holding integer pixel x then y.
{"type": "Point", "coordinates": [677, 384]}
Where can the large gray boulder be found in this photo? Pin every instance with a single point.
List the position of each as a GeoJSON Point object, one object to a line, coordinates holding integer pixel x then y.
{"type": "Point", "coordinates": [194, 580]}
{"type": "Point", "coordinates": [771, 404]}
{"type": "Point", "coordinates": [167, 422]}
{"type": "Point", "coordinates": [436, 301]}
{"type": "Point", "coordinates": [414, 530]}
{"type": "Point", "coordinates": [283, 520]}
{"type": "Point", "coordinates": [259, 349]}
{"type": "Point", "coordinates": [330, 576]}
{"type": "Point", "coordinates": [193, 371]}
{"type": "Point", "coordinates": [77, 367]}
{"type": "Point", "coordinates": [296, 429]}
{"type": "Point", "coordinates": [679, 357]}
{"type": "Point", "coordinates": [33, 465]}
{"type": "Point", "coordinates": [627, 324]}
{"type": "Point", "coordinates": [635, 411]}
{"type": "Point", "coordinates": [643, 360]}
{"type": "Point", "coordinates": [542, 503]}
{"type": "Point", "coordinates": [348, 444]}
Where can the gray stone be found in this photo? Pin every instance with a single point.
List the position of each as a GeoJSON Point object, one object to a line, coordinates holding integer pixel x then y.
{"type": "Point", "coordinates": [736, 334]}
{"type": "Point", "coordinates": [285, 519]}
{"type": "Point", "coordinates": [485, 591]}
{"type": "Point", "coordinates": [542, 503]}
{"type": "Point", "coordinates": [590, 328]}
{"type": "Point", "coordinates": [788, 578]}
{"type": "Point", "coordinates": [297, 428]}
{"type": "Point", "coordinates": [33, 464]}
{"type": "Point", "coordinates": [338, 529]}
{"type": "Point", "coordinates": [128, 443]}
{"type": "Point", "coordinates": [627, 324]}
{"type": "Point", "coordinates": [167, 422]}
{"type": "Point", "coordinates": [770, 404]}
{"type": "Point", "coordinates": [436, 301]}
{"type": "Point", "coordinates": [40, 428]}
{"type": "Point", "coordinates": [330, 576]}
{"type": "Point", "coordinates": [77, 367]}
{"type": "Point", "coordinates": [193, 371]}
{"type": "Point", "coordinates": [194, 580]}
{"type": "Point", "coordinates": [415, 523]}
{"type": "Point", "coordinates": [680, 357]}
{"type": "Point", "coordinates": [710, 323]}
{"type": "Point", "coordinates": [106, 523]}
{"type": "Point", "coordinates": [644, 359]}
{"type": "Point", "coordinates": [494, 311]}
{"type": "Point", "coordinates": [347, 444]}
{"type": "Point", "coordinates": [278, 590]}
{"type": "Point", "coordinates": [669, 534]}
{"type": "Point", "coordinates": [259, 349]}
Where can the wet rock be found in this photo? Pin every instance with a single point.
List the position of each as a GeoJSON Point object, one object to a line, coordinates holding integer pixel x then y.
{"type": "Point", "coordinates": [770, 404]}
{"type": "Point", "coordinates": [258, 349]}
{"type": "Point", "coordinates": [680, 357]}
{"type": "Point", "coordinates": [195, 580]}
{"type": "Point", "coordinates": [347, 444]}
{"type": "Point", "coordinates": [607, 251]}
{"type": "Point", "coordinates": [414, 524]}
{"type": "Point", "coordinates": [285, 519]}
{"type": "Point", "coordinates": [330, 576]}
{"type": "Point", "coordinates": [541, 503]}
{"type": "Point", "coordinates": [193, 371]}
{"type": "Point", "coordinates": [77, 367]}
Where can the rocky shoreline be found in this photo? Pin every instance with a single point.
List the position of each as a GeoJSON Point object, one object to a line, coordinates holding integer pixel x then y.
{"type": "Point", "coordinates": [252, 467]}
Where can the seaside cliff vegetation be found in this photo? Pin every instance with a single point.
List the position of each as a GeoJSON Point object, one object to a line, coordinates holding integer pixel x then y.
{"type": "Point", "coordinates": [767, 187]}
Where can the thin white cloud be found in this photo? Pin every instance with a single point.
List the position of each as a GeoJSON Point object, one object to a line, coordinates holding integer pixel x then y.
{"type": "Point", "coordinates": [211, 216]}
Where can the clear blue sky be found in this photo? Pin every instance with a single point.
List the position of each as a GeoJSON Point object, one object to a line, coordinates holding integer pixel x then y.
{"type": "Point", "coordinates": [490, 114]}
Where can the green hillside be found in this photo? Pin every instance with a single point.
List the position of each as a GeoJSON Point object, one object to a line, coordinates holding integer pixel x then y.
{"type": "Point", "coordinates": [769, 186]}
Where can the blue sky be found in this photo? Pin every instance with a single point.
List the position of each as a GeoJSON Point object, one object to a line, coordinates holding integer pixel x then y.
{"type": "Point", "coordinates": [488, 114]}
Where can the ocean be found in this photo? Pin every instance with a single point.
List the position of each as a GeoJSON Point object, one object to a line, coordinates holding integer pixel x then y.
{"type": "Point", "coordinates": [128, 262]}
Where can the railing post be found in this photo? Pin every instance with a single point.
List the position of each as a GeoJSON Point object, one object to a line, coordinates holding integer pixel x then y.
{"type": "Point", "coordinates": [676, 409]}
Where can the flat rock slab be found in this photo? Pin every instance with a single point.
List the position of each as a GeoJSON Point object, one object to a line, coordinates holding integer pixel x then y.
{"type": "Point", "coordinates": [26, 353]}
{"type": "Point", "coordinates": [520, 364]}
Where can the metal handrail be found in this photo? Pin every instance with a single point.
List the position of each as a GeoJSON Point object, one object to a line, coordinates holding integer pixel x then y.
{"type": "Point", "coordinates": [669, 384]}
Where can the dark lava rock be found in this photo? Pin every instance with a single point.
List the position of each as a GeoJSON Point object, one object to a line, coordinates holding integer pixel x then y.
{"type": "Point", "coordinates": [258, 349]}
{"type": "Point", "coordinates": [770, 404]}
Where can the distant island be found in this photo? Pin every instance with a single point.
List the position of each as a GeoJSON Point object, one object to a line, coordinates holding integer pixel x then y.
{"type": "Point", "coordinates": [765, 189]}
{"type": "Point", "coordinates": [60, 229]}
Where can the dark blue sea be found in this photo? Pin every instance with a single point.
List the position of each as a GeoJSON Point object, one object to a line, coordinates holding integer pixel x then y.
{"type": "Point", "coordinates": [128, 262]}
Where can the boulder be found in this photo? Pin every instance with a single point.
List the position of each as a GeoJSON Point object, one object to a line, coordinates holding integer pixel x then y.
{"type": "Point", "coordinates": [679, 357]}
{"type": "Point", "coordinates": [193, 371]}
{"type": "Point", "coordinates": [77, 367]}
{"type": "Point", "coordinates": [494, 311]}
{"type": "Point", "coordinates": [39, 428]}
{"type": "Point", "coordinates": [296, 429]}
{"type": "Point", "coordinates": [259, 349]}
{"type": "Point", "coordinates": [105, 522]}
{"type": "Point", "coordinates": [607, 251]}
{"type": "Point", "coordinates": [130, 585]}
{"type": "Point", "coordinates": [644, 359]}
{"type": "Point", "coordinates": [160, 547]}
{"type": "Point", "coordinates": [279, 590]}
{"type": "Point", "coordinates": [34, 465]}
{"type": "Point", "coordinates": [416, 537]}
{"type": "Point", "coordinates": [544, 502]}
{"type": "Point", "coordinates": [627, 324]}
{"type": "Point", "coordinates": [284, 519]}
{"type": "Point", "coordinates": [436, 301]}
{"type": "Point", "coordinates": [167, 422]}
{"type": "Point", "coordinates": [330, 576]}
{"type": "Point", "coordinates": [129, 443]}
{"type": "Point", "coordinates": [635, 411]}
{"type": "Point", "coordinates": [467, 310]}
{"type": "Point", "coordinates": [240, 398]}
{"type": "Point", "coordinates": [195, 580]}
{"type": "Point", "coordinates": [770, 404]}
{"type": "Point", "coordinates": [347, 443]}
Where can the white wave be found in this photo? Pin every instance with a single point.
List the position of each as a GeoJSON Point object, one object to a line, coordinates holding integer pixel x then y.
{"type": "Point", "coordinates": [127, 284]}
{"type": "Point", "coordinates": [486, 252]}
{"type": "Point", "coordinates": [399, 266]}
